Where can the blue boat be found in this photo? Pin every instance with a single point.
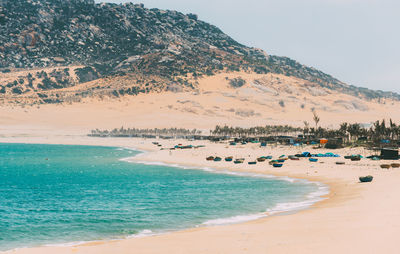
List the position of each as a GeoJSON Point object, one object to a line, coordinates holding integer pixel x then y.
{"type": "Point", "coordinates": [313, 160]}
{"type": "Point", "coordinates": [277, 165]}
{"type": "Point", "coordinates": [229, 159]}
{"type": "Point", "coordinates": [217, 159]}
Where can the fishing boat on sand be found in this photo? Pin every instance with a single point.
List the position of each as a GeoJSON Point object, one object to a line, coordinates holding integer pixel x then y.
{"type": "Point", "coordinates": [366, 179]}
{"type": "Point", "coordinates": [230, 158]}
{"type": "Point", "coordinates": [217, 159]}
{"type": "Point", "coordinates": [238, 161]}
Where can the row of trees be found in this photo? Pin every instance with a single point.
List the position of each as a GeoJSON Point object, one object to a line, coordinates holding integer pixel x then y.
{"type": "Point", "coordinates": [132, 132]}
{"type": "Point", "coordinates": [349, 132]}
{"type": "Point", "coordinates": [255, 131]}
{"type": "Point", "coordinates": [378, 131]}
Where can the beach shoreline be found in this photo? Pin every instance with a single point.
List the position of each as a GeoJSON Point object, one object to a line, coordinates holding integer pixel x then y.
{"type": "Point", "coordinates": [342, 192]}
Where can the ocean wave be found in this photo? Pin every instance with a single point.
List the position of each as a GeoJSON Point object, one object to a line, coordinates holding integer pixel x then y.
{"type": "Point", "coordinates": [233, 219]}
{"type": "Point", "coordinates": [216, 171]}
{"type": "Point", "coordinates": [294, 206]}
{"type": "Point", "coordinates": [284, 207]}
{"type": "Point", "coordinates": [143, 233]}
{"type": "Point", "coordinates": [68, 244]}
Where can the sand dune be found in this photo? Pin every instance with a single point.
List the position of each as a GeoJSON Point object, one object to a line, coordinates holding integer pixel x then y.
{"type": "Point", "coordinates": [264, 99]}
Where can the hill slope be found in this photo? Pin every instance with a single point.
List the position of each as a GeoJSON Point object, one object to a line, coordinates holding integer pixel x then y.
{"type": "Point", "coordinates": [49, 47]}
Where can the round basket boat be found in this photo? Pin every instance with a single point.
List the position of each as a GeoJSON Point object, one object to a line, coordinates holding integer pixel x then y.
{"type": "Point", "coordinates": [366, 179]}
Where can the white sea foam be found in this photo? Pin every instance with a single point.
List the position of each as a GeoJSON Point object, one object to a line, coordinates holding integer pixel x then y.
{"type": "Point", "coordinates": [211, 170]}
{"type": "Point", "coordinates": [233, 220]}
{"type": "Point", "coordinates": [68, 244]}
{"type": "Point", "coordinates": [285, 207]}
{"type": "Point", "coordinates": [311, 198]}
{"type": "Point", "coordinates": [143, 233]}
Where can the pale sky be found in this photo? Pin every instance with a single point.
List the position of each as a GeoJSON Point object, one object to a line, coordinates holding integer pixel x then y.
{"type": "Point", "coordinates": [356, 41]}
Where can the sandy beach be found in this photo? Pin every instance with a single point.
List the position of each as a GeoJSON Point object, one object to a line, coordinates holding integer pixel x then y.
{"type": "Point", "coordinates": [94, 74]}
{"type": "Point", "coordinates": [353, 218]}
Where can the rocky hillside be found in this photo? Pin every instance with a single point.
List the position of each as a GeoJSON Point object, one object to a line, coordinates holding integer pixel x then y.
{"type": "Point", "coordinates": [47, 46]}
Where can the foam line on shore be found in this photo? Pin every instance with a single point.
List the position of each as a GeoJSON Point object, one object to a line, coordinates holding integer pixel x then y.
{"type": "Point", "coordinates": [284, 207]}
{"type": "Point", "coordinates": [279, 208]}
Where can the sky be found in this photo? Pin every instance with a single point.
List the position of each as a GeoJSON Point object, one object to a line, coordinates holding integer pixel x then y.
{"type": "Point", "coordinates": [356, 41]}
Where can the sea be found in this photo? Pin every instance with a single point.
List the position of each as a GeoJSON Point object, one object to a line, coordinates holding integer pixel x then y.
{"type": "Point", "coordinates": [66, 195]}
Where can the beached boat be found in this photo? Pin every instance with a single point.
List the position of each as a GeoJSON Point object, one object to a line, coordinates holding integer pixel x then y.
{"type": "Point", "coordinates": [366, 179]}
{"type": "Point", "coordinates": [230, 158]}
{"type": "Point", "coordinates": [238, 161]}
{"type": "Point", "coordinates": [281, 161]}
{"type": "Point", "coordinates": [277, 165]}
{"type": "Point", "coordinates": [261, 159]}
{"type": "Point", "coordinates": [395, 165]}
{"type": "Point", "coordinates": [210, 158]}
{"type": "Point", "coordinates": [252, 162]}
{"type": "Point", "coordinates": [385, 166]}
{"type": "Point", "coordinates": [217, 159]}
{"type": "Point", "coordinates": [313, 160]}
{"type": "Point", "coordinates": [354, 157]}
{"type": "Point", "coordinates": [340, 163]}
{"type": "Point", "coordinates": [273, 162]}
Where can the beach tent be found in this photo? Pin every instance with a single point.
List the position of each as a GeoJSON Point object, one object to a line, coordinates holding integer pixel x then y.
{"type": "Point", "coordinates": [323, 141]}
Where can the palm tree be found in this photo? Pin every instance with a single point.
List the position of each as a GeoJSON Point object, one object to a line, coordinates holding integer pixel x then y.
{"type": "Point", "coordinates": [316, 119]}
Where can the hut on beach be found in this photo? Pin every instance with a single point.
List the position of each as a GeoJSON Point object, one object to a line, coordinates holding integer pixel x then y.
{"type": "Point", "coordinates": [389, 154]}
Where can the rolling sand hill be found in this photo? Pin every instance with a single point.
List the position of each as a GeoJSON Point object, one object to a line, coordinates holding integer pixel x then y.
{"type": "Point", "coordinates": [262, 99]}
{"type": "Point", "coordinates": [89, 65]}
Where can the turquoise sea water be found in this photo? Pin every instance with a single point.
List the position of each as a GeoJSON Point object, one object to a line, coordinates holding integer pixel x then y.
{"type": "Point", "coordinates": [54, 194]}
